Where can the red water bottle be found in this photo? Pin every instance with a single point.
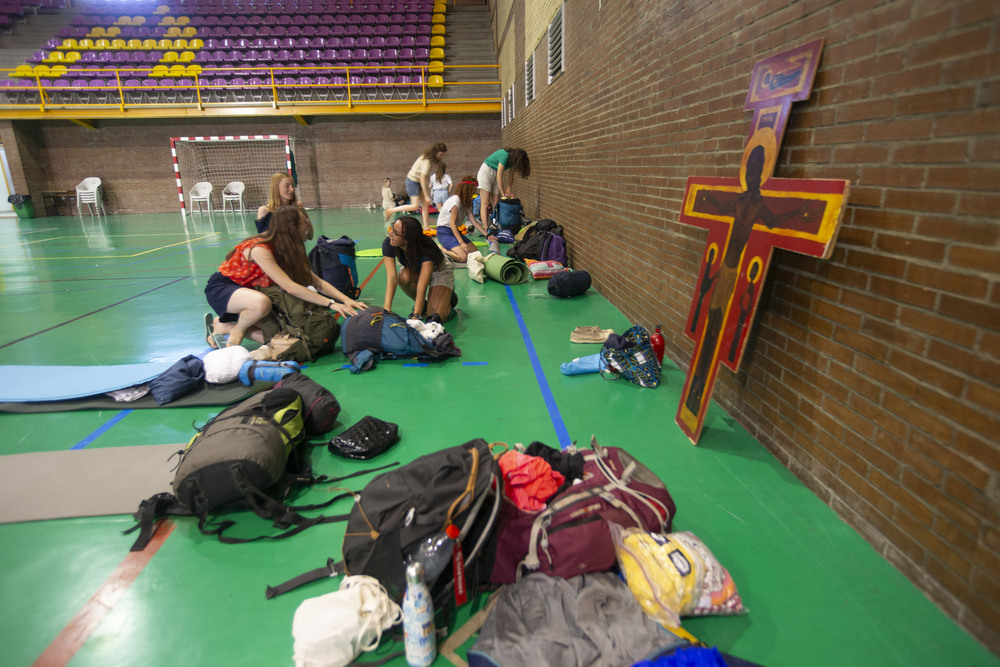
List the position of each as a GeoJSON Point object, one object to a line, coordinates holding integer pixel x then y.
{"type": "Point", "coordinates": [658, 343]}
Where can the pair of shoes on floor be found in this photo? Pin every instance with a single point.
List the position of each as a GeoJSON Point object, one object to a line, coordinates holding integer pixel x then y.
{"type": "Point", "coordinates": [590, 335]}
{"type": "Point", "coordinates": [217, 341]}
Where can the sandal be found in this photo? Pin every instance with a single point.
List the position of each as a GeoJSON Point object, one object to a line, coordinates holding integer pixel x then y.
{"type": "Point", "coordinates": [216, 341]}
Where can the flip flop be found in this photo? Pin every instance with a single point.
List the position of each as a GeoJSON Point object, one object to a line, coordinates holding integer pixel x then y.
{"type": "Point", "coordinates": [216, 341]}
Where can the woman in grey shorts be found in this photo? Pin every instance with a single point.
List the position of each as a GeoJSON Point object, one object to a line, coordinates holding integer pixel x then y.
{"type": "Point", "coordinates": [426, 276]}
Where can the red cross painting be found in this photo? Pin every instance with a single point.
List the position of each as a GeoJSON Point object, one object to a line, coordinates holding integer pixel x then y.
{"type": "Point", "coordinates": [747, 218]}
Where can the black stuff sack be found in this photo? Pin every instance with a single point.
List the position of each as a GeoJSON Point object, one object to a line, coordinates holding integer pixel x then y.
{"type": "Point", "coordinates": [320, 407]}
{"type": "Point", "coordinates": [569, 284]}
{"type": "Point", "coordinates": [184, 377]}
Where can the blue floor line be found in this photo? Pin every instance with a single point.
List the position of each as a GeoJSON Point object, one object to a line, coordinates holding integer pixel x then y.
{"type": "Point", "coordinates": [102, 430]}
{"type": "Point", "coordinates": [543, 384]}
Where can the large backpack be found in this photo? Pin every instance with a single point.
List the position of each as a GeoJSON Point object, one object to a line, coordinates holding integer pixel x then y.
{"type": "Point", "coordinates": [376, 333]}
{"type": "Point", "coordinates": [314, 326]}
{"type": "Point", "coordinates": [536, 239]}
{"type": "Point", "coordinates": [570, 536]}
{"type": "Point", "coordinates": [334, 262]}
{"type": "Point", "coordinates": [396, 511]}
{"type": "Point", "coordinates": [248, 457]}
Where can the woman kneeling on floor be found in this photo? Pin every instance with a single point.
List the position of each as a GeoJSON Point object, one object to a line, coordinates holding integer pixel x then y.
{"type": "Point", "coordinates": [426, 276]}
{"type": "Point", "coordinates": [456, 245]}
{"type": "Point", "coordinates": [276, 257]}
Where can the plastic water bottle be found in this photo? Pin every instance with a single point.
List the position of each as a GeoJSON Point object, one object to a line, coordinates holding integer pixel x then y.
{"type": "Point", "coordinates": [418, 619]}
{"type": "Point", "coordinates": [434, 554]}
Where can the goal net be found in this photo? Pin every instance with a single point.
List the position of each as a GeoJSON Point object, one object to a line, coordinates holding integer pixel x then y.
{"type": "Point", "coordinates": [249, 159]}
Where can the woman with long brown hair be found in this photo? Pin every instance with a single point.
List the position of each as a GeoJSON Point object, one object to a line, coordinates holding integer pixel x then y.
{"type": "Point", "coordinates": [276, 257]}
{"type": "Point", "coordinates": [426, 276]}
{"type": "Point", "coordinates": [418, 186]}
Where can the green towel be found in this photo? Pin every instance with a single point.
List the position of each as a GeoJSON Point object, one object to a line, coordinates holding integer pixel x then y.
{"type": "Point", "coordinates": [507, 270]}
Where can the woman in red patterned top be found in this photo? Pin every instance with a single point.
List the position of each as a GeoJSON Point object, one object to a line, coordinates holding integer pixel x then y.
{"type": "Point", "coordinates": [276, 257]}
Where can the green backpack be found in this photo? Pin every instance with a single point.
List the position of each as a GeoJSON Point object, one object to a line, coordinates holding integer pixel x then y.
{"type": "Point", "coordinates": [314, 326]}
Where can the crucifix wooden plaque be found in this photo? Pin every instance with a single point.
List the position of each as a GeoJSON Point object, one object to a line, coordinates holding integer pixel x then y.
{"type": "Point", "coordinates": [747, 217]}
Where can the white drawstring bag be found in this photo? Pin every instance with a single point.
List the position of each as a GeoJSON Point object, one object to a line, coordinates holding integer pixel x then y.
{"type": "Point", "coordinates": [333, 629]}
{"type": "Point", "coordinates": [476, 265]}
{"type": "Point", "coordinates": [222, 366]}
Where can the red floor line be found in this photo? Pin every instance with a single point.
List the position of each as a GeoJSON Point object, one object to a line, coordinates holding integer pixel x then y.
{"type": "Point", "coordinates": [78, 630]}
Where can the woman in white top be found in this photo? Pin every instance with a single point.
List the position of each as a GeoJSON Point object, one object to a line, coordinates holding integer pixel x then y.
{"type": "Point", "coordinates": [440, 185]}
{"type": "Point", "coordinates": [418, 187]}
{"type": "Point", "coordinates": [454, 244]}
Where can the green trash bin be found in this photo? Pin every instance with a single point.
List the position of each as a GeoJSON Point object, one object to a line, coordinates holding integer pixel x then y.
{"type": "Point", "coordinates": [23, 205]}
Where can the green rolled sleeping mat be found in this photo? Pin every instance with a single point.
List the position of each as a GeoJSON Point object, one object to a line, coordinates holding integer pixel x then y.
{"type": "Point", "coordinates": [507, 270]}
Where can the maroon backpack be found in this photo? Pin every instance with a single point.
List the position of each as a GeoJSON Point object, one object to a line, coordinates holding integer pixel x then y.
{"type": "Point", "coordinates": [570, 536]}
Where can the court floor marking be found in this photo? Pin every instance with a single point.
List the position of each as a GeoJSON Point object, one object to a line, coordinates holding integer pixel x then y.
{"type": "Point", "coordinates": [93, 312]}
{"type": "Point", "coordinates": [543, 384]}
{"type": "Point", "coordinates": [125, 256]}
{"type": "Point", "coordinates": [76, 633]}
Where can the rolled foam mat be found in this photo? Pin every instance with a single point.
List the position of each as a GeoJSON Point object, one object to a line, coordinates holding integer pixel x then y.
{"type": "Point", "coordinates": [507, 270]}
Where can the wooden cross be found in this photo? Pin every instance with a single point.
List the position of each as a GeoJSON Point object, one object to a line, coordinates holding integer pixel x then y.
{"type": "Point", "coordinates": [747, 218]}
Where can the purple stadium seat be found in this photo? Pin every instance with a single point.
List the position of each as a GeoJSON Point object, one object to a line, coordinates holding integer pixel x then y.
{"type": "Point", "coordinates": [406, 54]}
{"type": "Point", "coordinates": [273, 43]}
{"type": "Point", "coordinates": [351, 31]}
{"type": "Point", "coordinates": [392, 42]}
{"type": "Point", "coordinates": [309, 31]}
{"type": "Point", "coordinates": [423, 42]}
{"type": "Point", "coordinates": [337, 30]}
{"type": "Point", "coordinates": [251, 56]}
{"type": "Point", "coordinates": [302, 43]}
{"type": "Point", "coordinates": [359, 54]}
{"type": "Point", "coordinates": [348, 42]}
{"type": "Point", "coordinates": [286, 43]}
{"type": "Point", "coordinates": [279, 31]}
{"type": "Point", "coordinates": [122, 57]}
{"type": "Point", "coordinates": [313, 55]}
{"type": "Point", "coordinates": [317, 43]}
{"type": "Point", "coordinates": [407, 42]}
{"type": "Point", "coordinates": [378, 42]}
{"type": "Point", "coordinates": [421, 54]}
{"type": "Point", "coordinates": [363, 43]}
{"type": "Point", "coordinates": [381, 30]}
{"type": "Point", "coordinates": [375, 54]}
{"type": "Point", "coordinates": [241, 43]}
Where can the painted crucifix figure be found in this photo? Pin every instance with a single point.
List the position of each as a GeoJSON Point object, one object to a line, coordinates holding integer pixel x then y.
{"type": "Point", "coordinates": [747, 218]}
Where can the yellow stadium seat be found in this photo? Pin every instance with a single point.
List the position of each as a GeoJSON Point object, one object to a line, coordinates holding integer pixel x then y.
{"type": "Point", "coordinates": [182, 20]}
{"type": "Point", "coordinates": [436, 67]}
{"type": "Point", "coordinates": [58, 71]}
{"type": "Point", "coordinates": [69, 44]}
{"type": "Point", "coordinates": [173, 32]}
{"type": "Point", "coordinates": [159, 70]}
{"type": "Point", "coordinates": [161, 9]}
{"type": "Point", "coordinates": [42, 70]}
{"type": "Point", "coordinates": [124, 20]}
{"type": "Point", "coordinates": [149, 44]}
{"type": "Point", "coordinates": [169, 57]}
{"type": "Point", "coordinates": [101, 45]}
{"type": "Point", "coordinates": [53, 57]}
{"type": "Point", "coordinates": [186, 56]}
{"type": "Point", "coordinates": [435, 81]}
{"type": "Point", "coordinates": [112, 31]}
{"type": "Point", "coordinates": [195, 44]}
{"type": "Point", "coordinates": [138, 20]}
{"type": "Point", "coordinates": [437, 54]}
{"type": "Point", "coordinates": [72, 56]}
{"type": "Point", "coordinates": [437, 18]}
{"type": "Point", "coordinates": [118, 44]}
{"type": "Point", "coordinates": [133, 44]}
{"type": "Point", "coordinates": [437, 29]}
{"type": "Point", "coordinates": [85, 44]}
{"type": "Point", "coordinates": [189, 31]}
{"type": "Point", "coordinates": [437, 41]}
{"type": "Point", "coordinates": [192, 70]}
{"type": "Point", "coordinates": [165, 44]}
{"type": "Point", "coordinates": [180, 44]}
{"type": "Point", "coordinates": [440, 8]}
{"type": "Point", "coordinates": [167, 20]}
{"type": "Point", "coordinates": [96, 32]}
{"type": "Point", "coordinates": [177, 71]}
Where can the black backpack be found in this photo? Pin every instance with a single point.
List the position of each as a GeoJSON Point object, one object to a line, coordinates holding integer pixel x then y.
{"type": "Point", "coordinates": [535, 241]}
{"type": "Point", "coordinates": [460, 486]}
{"type": "Point", "coordinates": [335, 262]}
{"type": "Point", "coordinates": [250, 456]}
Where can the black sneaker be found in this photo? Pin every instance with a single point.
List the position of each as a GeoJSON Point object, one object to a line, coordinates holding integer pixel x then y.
{"type": "Point", "coordinates": [454, 299]}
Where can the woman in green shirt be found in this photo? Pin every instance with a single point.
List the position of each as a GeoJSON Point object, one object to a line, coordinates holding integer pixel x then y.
{"type": "Point", "coordinates": [491, 174]}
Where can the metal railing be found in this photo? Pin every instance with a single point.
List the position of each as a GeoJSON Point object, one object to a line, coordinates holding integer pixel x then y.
{"type": "Point", "coordinates": [241, 90]}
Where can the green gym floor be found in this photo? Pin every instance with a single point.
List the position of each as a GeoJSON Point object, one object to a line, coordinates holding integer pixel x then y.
{"type": "Point", "coordinates": [129, 289]}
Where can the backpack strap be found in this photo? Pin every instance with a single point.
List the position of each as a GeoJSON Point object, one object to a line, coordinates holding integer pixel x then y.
{"type": "Point", "coordinates": [160, 505]}
{"type": "Point", "coordinates": [331, 569]}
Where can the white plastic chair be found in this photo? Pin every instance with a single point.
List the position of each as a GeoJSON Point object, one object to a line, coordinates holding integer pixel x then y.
{"type": "Point", "coordinates": [201, 192]}
{"type": "Point", "coordinates": [90, 192]}
{"type": "Point", "coordinates": [233, 193]}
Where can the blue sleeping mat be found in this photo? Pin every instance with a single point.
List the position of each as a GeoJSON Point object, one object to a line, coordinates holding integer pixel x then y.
{"type": "Point", "coordinates": [19, 384]}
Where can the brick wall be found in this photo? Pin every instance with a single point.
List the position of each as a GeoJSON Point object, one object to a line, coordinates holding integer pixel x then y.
{"type": "Point", "coordinates": [875, 375]}
{"type": "Point", "coordinates": [339, 161]}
